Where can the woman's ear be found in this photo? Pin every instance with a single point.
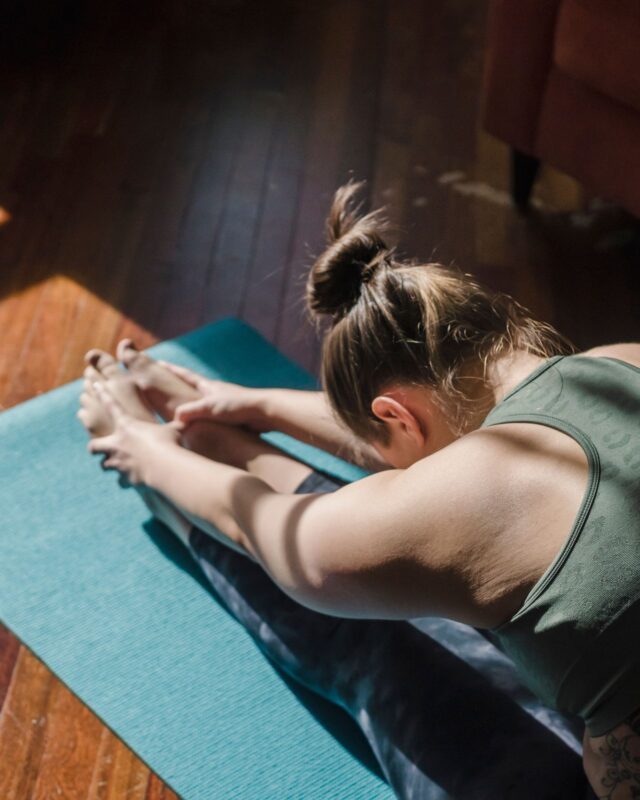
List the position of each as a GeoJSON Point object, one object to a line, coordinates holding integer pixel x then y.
{"type": "Point", "coordinates": [401, 420]}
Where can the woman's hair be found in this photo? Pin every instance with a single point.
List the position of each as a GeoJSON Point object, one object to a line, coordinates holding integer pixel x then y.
{"type": "Point", "coordinates": [396, 321]}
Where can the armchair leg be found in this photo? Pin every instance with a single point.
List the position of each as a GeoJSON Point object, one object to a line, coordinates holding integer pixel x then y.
{"type": "Point", "coordinates": [524, 169]}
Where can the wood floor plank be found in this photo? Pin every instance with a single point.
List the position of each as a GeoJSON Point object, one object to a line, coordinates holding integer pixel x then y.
{"type": "Point", "coordinates": [23, 725]}
{"type": "Point", "coordinates": [20, 310]}
{"type": "Point", "coordinates": [321, 174]}
{"type": "Point", "coordinates": [170, 193]}
{"type": "Point", "coordinates": [117, 772]}
{"type": "Point", "coordinates": [358, 147]}
{"type": "Point", "coordinates": [183, 304]}
{"type": "Point", "coordinates": [156, 790]}
{"type": "Point", "coordinates": [357, 151]}
{"type": "Point", "coordinates": [9, 647]}
{"type": "Point", "coordinates": [52, 327]}
{"type": "Point", "coordinates": [235, 244]}
{"type": "Point", "coordinates": [401, 51]}
{"type": "Point", "coordinates": [72, 737]}
{"type": "Point", "coordinates": [265, 285]}
{"type": "Point", "coordinates": [459, 67]}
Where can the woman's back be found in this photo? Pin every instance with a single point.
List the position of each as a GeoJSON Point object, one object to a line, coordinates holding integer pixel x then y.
{"type": "Point", "coordinates": [573, 428]}
{"type": "Point", "coordinates": [554, 467]}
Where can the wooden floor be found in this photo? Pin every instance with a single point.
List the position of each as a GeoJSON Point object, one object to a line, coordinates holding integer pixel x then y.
{"type": "Point", "coordinates": [163, 167]}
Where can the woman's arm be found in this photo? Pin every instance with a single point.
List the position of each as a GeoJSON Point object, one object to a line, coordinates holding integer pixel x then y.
{"type": "Point", "coordinates": [347, 553]}
{"type": "Point", "coordinates": [240, 510]}
{"type": "Point", "coordinates": [305, 415]}
{"type": "Point", "coordinates": [330, 552]}
{"type": "Point", "coordinates": [385, 547]}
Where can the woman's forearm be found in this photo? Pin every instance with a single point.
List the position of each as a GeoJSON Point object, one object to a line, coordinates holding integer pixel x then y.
{"type": "Point", "coordinates": [307, 416]}
{"type": "Point", "coordinates": [238, 509]}
{"type": "Point", "coordinates": [205, 491]}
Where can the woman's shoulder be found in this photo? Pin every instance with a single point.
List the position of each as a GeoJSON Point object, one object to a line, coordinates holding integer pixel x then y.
{"type": "Point", "coordinates": [624, 351]}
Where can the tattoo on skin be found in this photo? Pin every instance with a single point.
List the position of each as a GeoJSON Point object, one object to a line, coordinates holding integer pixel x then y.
{"type": "Point", "coordinates": [620, 754]}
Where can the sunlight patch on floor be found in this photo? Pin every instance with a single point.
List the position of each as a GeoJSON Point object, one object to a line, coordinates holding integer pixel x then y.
{"type": "Point", "coordinates": [52, 324]}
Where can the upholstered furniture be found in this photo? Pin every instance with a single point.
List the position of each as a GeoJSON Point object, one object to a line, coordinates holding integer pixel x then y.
{"type": "Point", "coordinates": [562, 86]}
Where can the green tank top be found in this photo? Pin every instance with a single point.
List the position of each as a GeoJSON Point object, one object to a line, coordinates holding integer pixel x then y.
{"type": "Point", "coordinates": [576, 638]}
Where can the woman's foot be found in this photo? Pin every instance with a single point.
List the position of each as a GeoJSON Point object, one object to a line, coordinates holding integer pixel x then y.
{"type": "Point", "coordinates": [162, 390]}
{"type": "Point", "coordinates": [103, 368]}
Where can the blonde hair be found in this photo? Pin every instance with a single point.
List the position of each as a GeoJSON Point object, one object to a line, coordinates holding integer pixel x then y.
{"type": "Point", "coordinates": [397, 321]}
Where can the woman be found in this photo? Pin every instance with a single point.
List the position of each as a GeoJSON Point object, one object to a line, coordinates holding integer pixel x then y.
{"type": "Point", "coordinates": [503, 492]}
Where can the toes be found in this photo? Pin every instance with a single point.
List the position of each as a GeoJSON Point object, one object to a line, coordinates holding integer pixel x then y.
{"type": "Point", "coordinates": [87, 387]}
{"type": "Point", "coordinates": [93, 416]}
{"type": "Point", "coordinates": [130, 356]}
{"type": "Point", "coordinates": [91, 375]}
{"type": "Point", "coordinates": [88, 400]}
{"type": "Point", "coordinates": [107, 365]}
{"type": "Point", "coordinates": [123, 348]}
{"type": "Point", "coordinates": [102, 362]}
{"type": "Point", "coordinates": [90, 355]}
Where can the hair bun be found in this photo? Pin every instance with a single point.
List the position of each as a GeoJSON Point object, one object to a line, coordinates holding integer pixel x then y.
{"type": "Point", "coordinates": [355, 249]}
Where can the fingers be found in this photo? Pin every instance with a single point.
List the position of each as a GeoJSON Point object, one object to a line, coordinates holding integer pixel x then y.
{"type": "Point", "coordinates": [187, 375]}
{"type": "Point", "coordinates": [195, 409]}
{"type": "Point", "coordinates": [176, 425]}
{"type": "Point", "coordinates": [102, 444]}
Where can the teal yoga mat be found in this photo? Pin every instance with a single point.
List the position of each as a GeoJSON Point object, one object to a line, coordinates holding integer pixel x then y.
{"type": "Point", "coordinates": [115, 607]}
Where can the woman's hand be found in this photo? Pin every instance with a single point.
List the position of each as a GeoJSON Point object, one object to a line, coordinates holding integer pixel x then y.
{"type": "Point", "coordinates": [133, 443]}
{"type": "Point", "coordinates": [222, 401]}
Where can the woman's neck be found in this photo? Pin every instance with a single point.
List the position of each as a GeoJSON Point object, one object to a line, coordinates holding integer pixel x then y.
{"type": "Point", "coordinates": [508, 372]}
{"type": "Point", "coordinates": [502, 375]}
